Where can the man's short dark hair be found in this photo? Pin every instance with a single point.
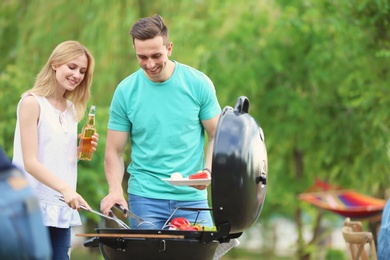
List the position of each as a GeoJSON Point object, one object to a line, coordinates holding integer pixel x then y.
{"type": "Point", "coordinates": [150, 27]}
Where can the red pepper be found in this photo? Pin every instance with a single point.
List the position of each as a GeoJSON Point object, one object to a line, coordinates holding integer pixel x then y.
{"type": "Point", "coordinates": [177, 222]}
{"type": "Point", "coordinates": [185, 227]}
{"type": "Point", "coordinates": [183, 224]}
{"type": "Point", "coordinates": [190, 227]}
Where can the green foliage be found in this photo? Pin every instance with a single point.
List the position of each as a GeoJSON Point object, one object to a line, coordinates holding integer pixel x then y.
{"type": "Point", "coordinates": [12, 82]}
{"type": "Point", "coordinates": [335, 254]}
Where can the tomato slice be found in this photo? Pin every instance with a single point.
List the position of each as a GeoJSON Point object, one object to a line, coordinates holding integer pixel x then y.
{"type": "Point", "coordinates": [191, 228]}
{"type": "Point", "coordinates": [200, 175]}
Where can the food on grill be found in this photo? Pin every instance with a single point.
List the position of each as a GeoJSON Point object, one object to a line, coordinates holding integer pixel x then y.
{"type": "Point", "coordinates": [192, 228]}
{"type": "Point", "coordinates": [180, 223]}
{"type": "Point", "coordinates": [200, 175]}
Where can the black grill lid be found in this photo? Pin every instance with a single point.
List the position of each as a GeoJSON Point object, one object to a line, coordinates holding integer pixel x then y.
{"type": "Point", "coordinates": [239, 169]}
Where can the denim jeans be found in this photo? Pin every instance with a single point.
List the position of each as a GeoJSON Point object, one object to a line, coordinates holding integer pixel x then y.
{"type": "Point", "coordinates": [156, 212]}
{"type": "Point", "coordinates": [60, 243]}
{"type": "Point", "coordinates": [383, 247]}
{"type": "Point", "coordinates": [22, 233]}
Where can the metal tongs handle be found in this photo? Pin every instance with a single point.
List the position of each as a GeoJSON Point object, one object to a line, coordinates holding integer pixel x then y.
{"type": "Point", "coordinates": [129, 213]}
{"type": "Point", "coordinates": [111, 217]}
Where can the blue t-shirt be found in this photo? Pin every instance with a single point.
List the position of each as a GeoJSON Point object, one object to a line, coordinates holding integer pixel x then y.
{"type": "Point", "coordinates": [166, 135]}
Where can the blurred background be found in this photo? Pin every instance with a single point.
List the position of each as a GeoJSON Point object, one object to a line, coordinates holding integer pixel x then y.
{"type": "Point", "coordinates": [316, 73]}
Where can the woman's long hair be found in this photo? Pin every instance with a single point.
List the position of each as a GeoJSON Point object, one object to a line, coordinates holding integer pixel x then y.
{"type": "Point", "coordinates": [46, 82]}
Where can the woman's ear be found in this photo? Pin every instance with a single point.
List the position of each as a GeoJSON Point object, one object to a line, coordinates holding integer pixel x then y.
{"type": "Point", "coordinates": [54, 67]}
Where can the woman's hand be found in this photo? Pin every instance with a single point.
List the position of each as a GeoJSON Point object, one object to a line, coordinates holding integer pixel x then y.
{"type": "Point", "coordinates": [94, 142]}
{"type": "Point", "coordinates": [74, 200]}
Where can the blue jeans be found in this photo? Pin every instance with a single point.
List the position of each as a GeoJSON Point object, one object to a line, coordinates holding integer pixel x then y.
{"type": "Point", "coordinates": [156, 212]}
{"type": "Point", "coordinates": [22, 233]}
{"type": "Point", "coordinates": [383, 247]}
{"type": "Point", "coordinates": [60, 243]}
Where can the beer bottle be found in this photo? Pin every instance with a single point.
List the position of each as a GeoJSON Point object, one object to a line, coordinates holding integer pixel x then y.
{"type": "Point", "coordinates": [85, 148]}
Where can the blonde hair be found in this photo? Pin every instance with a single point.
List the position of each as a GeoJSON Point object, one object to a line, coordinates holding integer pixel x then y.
{"type": "Point", "coordinates": [46, 83]}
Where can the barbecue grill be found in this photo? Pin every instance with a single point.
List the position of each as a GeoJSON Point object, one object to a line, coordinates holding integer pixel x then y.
{"type": "Point", "coordinates": [238, 189]}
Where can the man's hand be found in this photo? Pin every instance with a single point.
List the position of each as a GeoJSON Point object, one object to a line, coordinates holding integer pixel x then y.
{"type": "Point", "coordinates": [110, 200]}
{"type": "Point", "coordinates": [203, 174]}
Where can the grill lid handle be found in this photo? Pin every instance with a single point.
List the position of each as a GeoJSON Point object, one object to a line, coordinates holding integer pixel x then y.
{"type": "Point", "coordinates": [242, 105]}
{"type": "Point", "coordinates": [262, 178]}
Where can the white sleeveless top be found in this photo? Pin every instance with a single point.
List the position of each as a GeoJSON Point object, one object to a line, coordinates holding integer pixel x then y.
{"type": "Point", "coordinates": [57, 151]}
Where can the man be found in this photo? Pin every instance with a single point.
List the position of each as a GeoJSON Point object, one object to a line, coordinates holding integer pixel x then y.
{"type": "Point", "coordinates": [165, 107]}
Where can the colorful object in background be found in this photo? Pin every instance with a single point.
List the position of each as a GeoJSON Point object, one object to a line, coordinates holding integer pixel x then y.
{"type": "Point", "coordinates": [347, 203]}
{"type": "Point", "coordinates": [320, 185]}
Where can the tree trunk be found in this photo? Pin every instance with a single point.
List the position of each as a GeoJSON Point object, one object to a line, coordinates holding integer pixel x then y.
{"type": "Point", "coordinates": [302, 255]}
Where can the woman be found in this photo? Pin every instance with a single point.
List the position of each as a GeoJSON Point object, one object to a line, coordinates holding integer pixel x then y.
{"type": "Point", "coordinates": [45, 143]}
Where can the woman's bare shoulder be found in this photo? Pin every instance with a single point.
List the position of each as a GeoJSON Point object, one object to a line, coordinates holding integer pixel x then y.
{"type": "Point", "coordinates": [29, 103]}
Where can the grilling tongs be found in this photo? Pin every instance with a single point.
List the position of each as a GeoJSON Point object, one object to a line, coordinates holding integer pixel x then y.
{"type": "Point", "coordinates": [129, 213]}
{"type": "Point", "coordinates": [111, 215]}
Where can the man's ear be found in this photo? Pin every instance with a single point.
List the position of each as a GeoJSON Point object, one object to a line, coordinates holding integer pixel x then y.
{"type": "Point", "coordinates": [169, 48]}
